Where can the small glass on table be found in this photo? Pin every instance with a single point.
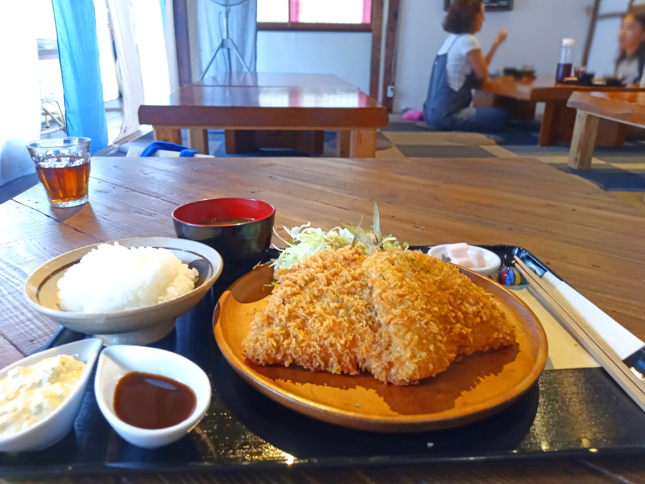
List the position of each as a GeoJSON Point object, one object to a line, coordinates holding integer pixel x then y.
{"type": "Point", "coordinates": [63, 167]}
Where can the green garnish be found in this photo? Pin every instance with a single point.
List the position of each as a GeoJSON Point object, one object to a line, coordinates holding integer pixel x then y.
{"type": "Point", "coordinates": [305, 241]}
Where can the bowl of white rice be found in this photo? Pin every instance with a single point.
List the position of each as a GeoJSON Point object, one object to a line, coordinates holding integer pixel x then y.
{"type": "Point", "coordinates": [128, 291]}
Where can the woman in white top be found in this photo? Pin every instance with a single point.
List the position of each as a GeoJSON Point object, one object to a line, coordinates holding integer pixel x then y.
{"type": "Point", "coordinates": [459, 68]}
{"type": "Point", "coordinates": [631, 39]}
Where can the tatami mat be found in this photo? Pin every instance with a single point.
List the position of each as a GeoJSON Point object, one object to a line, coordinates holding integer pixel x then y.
{"type": "Point", "coordinates": [393, 152]}
{"type": "Point", "coordinates": [442, 151]}
{"type": "Point", "coordinates": [408, 126]}
{"type": "Point", "coordinates": [613, 168]}
{"type": "Point", "coordinates": [425, 139]}
{"type": "Point", "coordinates": [563, 160]}
{"type": "Point", "coordinates": [630, 166]}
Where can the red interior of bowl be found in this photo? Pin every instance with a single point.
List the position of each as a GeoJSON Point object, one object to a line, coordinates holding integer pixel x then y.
{"type": "Point", "coordinates": [221, 208]}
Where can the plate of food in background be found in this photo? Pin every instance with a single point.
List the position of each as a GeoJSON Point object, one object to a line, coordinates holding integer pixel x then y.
{"type": "Point", "coordinates": [354, 329]}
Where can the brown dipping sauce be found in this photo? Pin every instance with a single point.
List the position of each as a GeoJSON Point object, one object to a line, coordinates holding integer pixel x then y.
{"type": "Point", "coordinates": [227, 221]}
{"type": "Point", "coordinates": [152, 401]}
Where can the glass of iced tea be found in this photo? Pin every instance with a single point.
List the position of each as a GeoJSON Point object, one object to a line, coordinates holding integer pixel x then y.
{"type": "Point", "coordinates": [63, 167]}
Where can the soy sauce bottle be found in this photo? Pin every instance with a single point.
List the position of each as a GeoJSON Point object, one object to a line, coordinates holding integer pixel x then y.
{"type": "Point", "coordinates": [565, 67]}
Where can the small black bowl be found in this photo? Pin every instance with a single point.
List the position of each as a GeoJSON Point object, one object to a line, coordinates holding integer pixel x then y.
{"type": "Point", "coordinates": [586, 78]}
{"type": "Point", "coordinates": [242, 243]}
{"type": "Point", "coordinates": [511, 72]}
{"type": "Point", "coordinates": [613, 82]}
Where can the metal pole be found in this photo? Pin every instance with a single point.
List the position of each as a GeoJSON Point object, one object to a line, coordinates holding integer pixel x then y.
{"type": "Point", "coordinates": [228, 49]}
{"type": "Point", "coordinates": [591, 32]}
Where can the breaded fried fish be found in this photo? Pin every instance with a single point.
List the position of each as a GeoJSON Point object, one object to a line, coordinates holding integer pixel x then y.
{"type": "Point", "coordinates": [401, 315]}
{"type": "Point", "coordinates": [427, 313]}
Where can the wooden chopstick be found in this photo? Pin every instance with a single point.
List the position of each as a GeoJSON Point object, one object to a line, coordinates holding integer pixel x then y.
{"type": "Point", "coordinates": [586, 336]}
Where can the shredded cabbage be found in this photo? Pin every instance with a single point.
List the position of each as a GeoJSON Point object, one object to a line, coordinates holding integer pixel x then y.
{"type": "Point", "coordinates": [306, 241]}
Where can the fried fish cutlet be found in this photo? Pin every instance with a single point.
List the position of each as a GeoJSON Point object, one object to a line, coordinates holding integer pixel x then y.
{"type": "Point", "coordinates": [317, 317]}
{"type": "Point", "coordinates": [402, 315]}
{"type": "Point", "coordinates": [427, 313]}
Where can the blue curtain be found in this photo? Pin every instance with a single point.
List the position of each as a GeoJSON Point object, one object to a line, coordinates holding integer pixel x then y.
{"type": "Point", "coordinates": [78, 51]}
{"type": "Point", "coordinates": [162, 6]}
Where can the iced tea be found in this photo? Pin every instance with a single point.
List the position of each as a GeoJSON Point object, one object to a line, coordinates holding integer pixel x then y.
{"type": "Point", "coordinates": [63, 167]}
{"type": "Point", "coordinates": [65, 184]}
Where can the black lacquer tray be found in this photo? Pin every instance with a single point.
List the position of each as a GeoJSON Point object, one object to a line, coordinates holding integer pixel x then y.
{"type": "Point", "coordinates": [569, 413]}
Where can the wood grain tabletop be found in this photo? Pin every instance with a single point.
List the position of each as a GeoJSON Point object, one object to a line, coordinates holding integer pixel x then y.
{"type": "Point", "coordinates": [626, 107]}
{"type": "Point", "coordinates": [543, 88]}
{"type": "Point", "coordinates": [315, 106]}
{"type": "Point", "coordinates": [592, 240]}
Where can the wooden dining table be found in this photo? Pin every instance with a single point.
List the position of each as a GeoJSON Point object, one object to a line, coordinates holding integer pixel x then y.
{"type": "Point", "coordinates": [520, 97]}
{"type": "Point", "coordinates": [592, 240]}
{"type": "Point", "coordinates": [270, 110]}
{"type": "Point", "coordinates": [626, 108]}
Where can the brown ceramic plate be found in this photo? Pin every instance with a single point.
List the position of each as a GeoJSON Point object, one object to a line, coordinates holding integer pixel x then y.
{"type": "Point", "coordinates": [471, 389]}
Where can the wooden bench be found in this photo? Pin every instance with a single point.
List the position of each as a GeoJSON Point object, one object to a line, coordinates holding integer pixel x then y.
{"type": "Point", "coordinates": [519, 96]}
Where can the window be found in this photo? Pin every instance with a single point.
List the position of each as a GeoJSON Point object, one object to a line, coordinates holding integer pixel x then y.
{"type": "Point", "coordinates": [350, 13]}
{"type": "Point", "coordinates": [273, 10]}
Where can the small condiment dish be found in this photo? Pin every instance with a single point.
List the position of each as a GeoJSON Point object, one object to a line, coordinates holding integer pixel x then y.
{"type": "Point", "coordinates": [117, 361]}
{"type": "Point", "coordinates": [493, 262]}
{"type": "Point", "coordinates": [56, 425]}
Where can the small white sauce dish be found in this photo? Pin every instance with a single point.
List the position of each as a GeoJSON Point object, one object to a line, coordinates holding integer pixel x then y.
{"type": "Point", "coordinates": [56, 425]}
{"type": "Point", "coordinates": [493, 262]}
{"type": "Point", "coordinates": [117, 361]}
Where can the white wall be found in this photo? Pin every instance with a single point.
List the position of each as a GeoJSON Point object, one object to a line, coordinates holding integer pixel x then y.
{"type": "Point", "coordinates": [19, 94]}
{"type": "Point", "coordinates": [535, 29]}
{"type": "Point", "coordinates": [346, 54]}
{"type": "Point", "coordinates": [604, 49]}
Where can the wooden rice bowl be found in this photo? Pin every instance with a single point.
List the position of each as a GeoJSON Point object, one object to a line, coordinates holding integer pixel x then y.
{"type": "Point", "coordinates": [474, 388]}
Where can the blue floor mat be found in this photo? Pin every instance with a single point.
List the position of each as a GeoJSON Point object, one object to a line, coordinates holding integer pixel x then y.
{"type": "Point", "coordinates": [518, 137]}
{"type": "Point", "coordinates": [610, 179]}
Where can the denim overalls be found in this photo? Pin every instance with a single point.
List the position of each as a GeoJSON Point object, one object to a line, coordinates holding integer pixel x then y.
{"type": "Point", "coordinates": [447, 109]}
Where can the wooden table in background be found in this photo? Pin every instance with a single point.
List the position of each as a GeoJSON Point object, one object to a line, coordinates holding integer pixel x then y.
{"type": "Point", "coordinates": [591, 239]}
{"type": "Point", "coordinates": [627, 108]}
{"type": "Point", "coordinates": [521, 96]}
{"type": "Point", "coordinates": [270, 110]}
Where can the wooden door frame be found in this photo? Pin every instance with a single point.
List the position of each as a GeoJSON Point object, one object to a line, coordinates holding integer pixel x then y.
{"type": "Point", "coordinates": [389, 74]}
{"type": "Point", "coordinates": [595, 17]}
{"type": "Point", "coordinates": [377, 32]}
{"type": "Point", "coordinates": [182, 42]}
{"type": "Point", "coordinates": [389, 67]}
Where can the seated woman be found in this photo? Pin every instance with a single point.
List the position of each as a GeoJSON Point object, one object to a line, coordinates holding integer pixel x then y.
{"type": "Point", "coordinates": [459, 68]}
{"type": "Point", "coordinates": [631, 40]}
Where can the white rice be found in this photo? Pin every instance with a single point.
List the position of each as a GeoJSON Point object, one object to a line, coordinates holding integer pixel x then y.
{"type": "Point", "coordinates": [114, 278]}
